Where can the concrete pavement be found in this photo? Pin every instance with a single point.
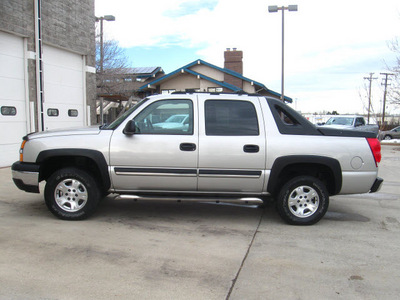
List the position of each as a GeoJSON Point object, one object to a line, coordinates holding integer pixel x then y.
{"type": "Point", "coordinates": [168, 250]}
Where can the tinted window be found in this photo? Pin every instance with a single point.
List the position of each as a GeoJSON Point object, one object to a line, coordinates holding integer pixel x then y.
{"type": "Point", "coordinates": [226, 117]}
{"type": "Point", "coordinates": [360, 122]}
{"type": "Point", "coordinates": [166, 117]}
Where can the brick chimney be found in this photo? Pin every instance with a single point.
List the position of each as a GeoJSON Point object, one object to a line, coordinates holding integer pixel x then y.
{"type": "Point", "coordinates": [234, 62]}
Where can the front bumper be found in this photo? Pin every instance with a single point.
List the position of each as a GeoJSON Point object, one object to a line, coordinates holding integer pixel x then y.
{"type": "Point", "coordinates": [377, 185]}
{"type": "Point", "coordinates": [26, 176]}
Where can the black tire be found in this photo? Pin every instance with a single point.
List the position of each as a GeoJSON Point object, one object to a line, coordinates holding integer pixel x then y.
{"type": "Point", "coordinates": [71, 194]}
{"type": "Point", "coordinates": [387, 137]}
{"type": "Point", "coordinates": [303, 200]}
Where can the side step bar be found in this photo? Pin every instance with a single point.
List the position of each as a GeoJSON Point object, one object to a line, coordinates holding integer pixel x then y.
{"type": "Point", "coordinates": [243, 200]}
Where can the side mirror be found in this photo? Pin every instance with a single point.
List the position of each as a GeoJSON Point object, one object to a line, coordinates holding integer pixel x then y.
{"type": "Point", "coordinates": [130, 128]}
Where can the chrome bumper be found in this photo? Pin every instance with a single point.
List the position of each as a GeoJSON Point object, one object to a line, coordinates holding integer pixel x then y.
{"type": "Point", "coordinates": [26, 176]}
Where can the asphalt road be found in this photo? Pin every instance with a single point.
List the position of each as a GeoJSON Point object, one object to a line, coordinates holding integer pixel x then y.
{"type": "Point", "coordinates": [169, 250]}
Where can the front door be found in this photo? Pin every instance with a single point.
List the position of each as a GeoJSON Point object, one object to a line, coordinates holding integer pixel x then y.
{"type": "Point", "coordinates": [162, 154]}
{"type": "Point", "coordinates": [231, 145]}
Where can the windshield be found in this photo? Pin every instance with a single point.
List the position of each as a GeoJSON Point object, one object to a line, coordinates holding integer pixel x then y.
{"type": "Point", "coordinates": [340, 121]}
{"type": "Point", "coordinates": [122, 118]}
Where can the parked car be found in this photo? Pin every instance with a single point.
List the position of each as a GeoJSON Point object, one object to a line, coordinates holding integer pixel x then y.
{"type": "Point", "coordinates": [235, 146]}
{"type": "Point", "coordinates": [179, 122]}
{"type": "Point", "coordinates": [351, 122]}
{"type": "Point", "coordinates": [390, 134]}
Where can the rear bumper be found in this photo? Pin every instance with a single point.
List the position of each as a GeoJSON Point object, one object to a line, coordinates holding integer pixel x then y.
{"type": "Point", "coordinates": [377, 185]}
{"type": "Point", "coordinates": [26, 176]}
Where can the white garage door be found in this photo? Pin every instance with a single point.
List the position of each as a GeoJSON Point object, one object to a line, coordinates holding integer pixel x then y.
{"type": "Point", "coordinates": [63, 89]}
{"type": "Point", "coordinates": [13, 119]}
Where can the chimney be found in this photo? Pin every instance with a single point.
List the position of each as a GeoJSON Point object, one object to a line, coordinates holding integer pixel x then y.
{"type": "Point", "coordinates": [233, 62]}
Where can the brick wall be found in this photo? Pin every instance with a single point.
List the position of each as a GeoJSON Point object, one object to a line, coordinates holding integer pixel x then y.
{"type": "Point", "coordinates": [233, 61]}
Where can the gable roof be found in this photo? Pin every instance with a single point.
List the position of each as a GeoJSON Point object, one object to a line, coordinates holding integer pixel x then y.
{"type": "Point", "coordinates": [186, 69]}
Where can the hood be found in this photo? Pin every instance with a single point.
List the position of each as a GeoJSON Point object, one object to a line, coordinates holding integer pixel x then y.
{"type": "Point", "coordinates": [64, 132]}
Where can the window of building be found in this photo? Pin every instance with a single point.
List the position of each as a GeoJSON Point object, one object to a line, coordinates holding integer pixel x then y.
{"type": "Point", "coordinates": [166, 117]}
{"type": "Point", "coordinates": [192, 90]}
{"type": "Point", "coordinates": [72, 112]}
{"type": "Point", "coordinates": [53, 112]}
{"type": "Point", "coordinates": [230, 118]}
{"type": "Point", "coordinates": [127, 79]}
{"type": "Point", "coordinates": [8, 110]}
{"type": "Point", "coordinates": [167, 91]}
{"type": "Point", "coordinates": [215, 89]}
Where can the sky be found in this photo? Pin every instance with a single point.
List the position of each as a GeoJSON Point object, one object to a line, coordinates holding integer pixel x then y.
{"type": "Point", "coordinates": [330, 46]}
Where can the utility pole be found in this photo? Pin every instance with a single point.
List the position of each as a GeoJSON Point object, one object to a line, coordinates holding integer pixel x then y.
{"type": "Point", "coordinates": [384, 95]}
{"type": "Point", "coordinates": [369, 94]}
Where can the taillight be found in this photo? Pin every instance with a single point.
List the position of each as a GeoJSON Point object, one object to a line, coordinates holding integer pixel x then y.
{"type": "Point", "coordinates": [375, 146]}
{"type": "Point", "coordinates": [21, 151]}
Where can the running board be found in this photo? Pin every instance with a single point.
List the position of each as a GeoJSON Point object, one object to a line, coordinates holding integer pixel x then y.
{"type": "Point", "coordinates": [243, 200]}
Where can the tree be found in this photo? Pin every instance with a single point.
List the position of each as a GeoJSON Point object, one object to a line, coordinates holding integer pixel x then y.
{"type": "Point", "coordinates": [114, 57]}
{"type": "Point", "coordinates": [394, 91]}
{"type": "Point", "coordinates": [115, 62]}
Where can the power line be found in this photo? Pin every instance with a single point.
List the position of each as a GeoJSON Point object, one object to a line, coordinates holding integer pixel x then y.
{"type": "Point", "coordinates": [370, 78]}
{"type": "Point", "coordinates": [384, 94]}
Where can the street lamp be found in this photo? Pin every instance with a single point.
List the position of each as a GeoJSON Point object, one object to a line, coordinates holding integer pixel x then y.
{"type": "Point", "coordinates": [272, 9]}
{"type": "Point", "coordinates": [100, 19]}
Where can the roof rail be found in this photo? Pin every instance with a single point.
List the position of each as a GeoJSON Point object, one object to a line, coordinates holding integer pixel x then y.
{"type": "Point", "coordinates": [241, 92]}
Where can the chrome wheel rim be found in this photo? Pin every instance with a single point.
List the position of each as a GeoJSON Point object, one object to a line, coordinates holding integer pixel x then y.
{"type": "Point", "coordinates": [71, 195]}
{"type": "Point", "coordinates": [303, 201]}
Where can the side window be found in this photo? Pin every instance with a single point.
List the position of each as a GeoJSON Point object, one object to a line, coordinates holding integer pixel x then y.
{"type": "Point", "coordinates": [360, 122]}
{"type": "Point", "coordinates": [166, 117]}
{"type": "Point", "coordinates": [230, 118]}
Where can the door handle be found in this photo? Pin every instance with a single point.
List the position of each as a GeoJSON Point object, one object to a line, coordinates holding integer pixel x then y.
{"type": "Point", "coordinates": [251, 148]}
{"type": "Point", "coordinates": [187, 147]}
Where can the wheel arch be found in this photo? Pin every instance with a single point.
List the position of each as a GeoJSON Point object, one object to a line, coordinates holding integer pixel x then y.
{"type": "Point", "coordinates": [92, 161]}
{"type": "Point", "coordinates": [326, 169]}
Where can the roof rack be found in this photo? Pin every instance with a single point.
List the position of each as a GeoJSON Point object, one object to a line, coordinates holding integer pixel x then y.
{"type": "Point", "coordinates": [241, 92]}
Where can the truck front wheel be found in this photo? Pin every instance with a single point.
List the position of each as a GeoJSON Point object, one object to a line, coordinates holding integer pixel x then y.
{"type": "Point", "coordinates": [71, 194]}
{"type": "Point", "coordinates": [303, 200]}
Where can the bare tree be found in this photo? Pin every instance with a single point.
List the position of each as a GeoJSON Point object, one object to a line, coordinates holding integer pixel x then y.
{"type": "Point", "coordinates": [115, 62]}
{"type": "Point", "coordinates": [394, 91]}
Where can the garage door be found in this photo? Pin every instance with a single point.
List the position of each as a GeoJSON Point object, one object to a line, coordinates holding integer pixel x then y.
{"type": "Point", "coordinates": [63, 89]}
{"type": "Point", "coordinates": [13, 119]}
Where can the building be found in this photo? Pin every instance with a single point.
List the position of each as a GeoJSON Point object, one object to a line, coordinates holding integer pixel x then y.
{"type": "Point", "coordinates": [47, 68]}
{"type": "Point", "coordinates": [201, 76]}
{"type": "Point", "coordinates": [119, 88]}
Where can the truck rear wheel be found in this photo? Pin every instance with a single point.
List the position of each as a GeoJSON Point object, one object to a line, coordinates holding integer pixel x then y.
{"type": "Point", "coordinates": [303, 200]}
{"type": "Point", "coordinates": [71, 194]}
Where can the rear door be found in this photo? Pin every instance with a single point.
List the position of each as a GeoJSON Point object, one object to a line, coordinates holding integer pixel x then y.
{"type": "Point", "coordinates": [231, 144]}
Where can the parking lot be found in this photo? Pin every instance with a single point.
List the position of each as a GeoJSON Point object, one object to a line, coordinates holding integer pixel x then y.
{"type": "Point", "coordinates": [170, 250]}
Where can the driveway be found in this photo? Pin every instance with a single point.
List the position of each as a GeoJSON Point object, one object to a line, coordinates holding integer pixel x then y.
{"type": "Point", "coordinates": [169, 250]}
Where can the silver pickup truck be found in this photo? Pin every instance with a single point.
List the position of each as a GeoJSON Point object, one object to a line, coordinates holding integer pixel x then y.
{"type": "Point", "coordinates": [351, 123]}
{"type": "Point", "coordinates": [219, 146]}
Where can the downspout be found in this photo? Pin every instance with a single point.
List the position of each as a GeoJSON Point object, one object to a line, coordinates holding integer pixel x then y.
{"type": "Point", "coordinates": [39, 64]}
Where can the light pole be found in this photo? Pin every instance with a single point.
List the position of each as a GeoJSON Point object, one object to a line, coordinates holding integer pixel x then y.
{"type": "Point", "coordinates": [272, 9]}
{"type": "Point", "coordinates": [100, 19]}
